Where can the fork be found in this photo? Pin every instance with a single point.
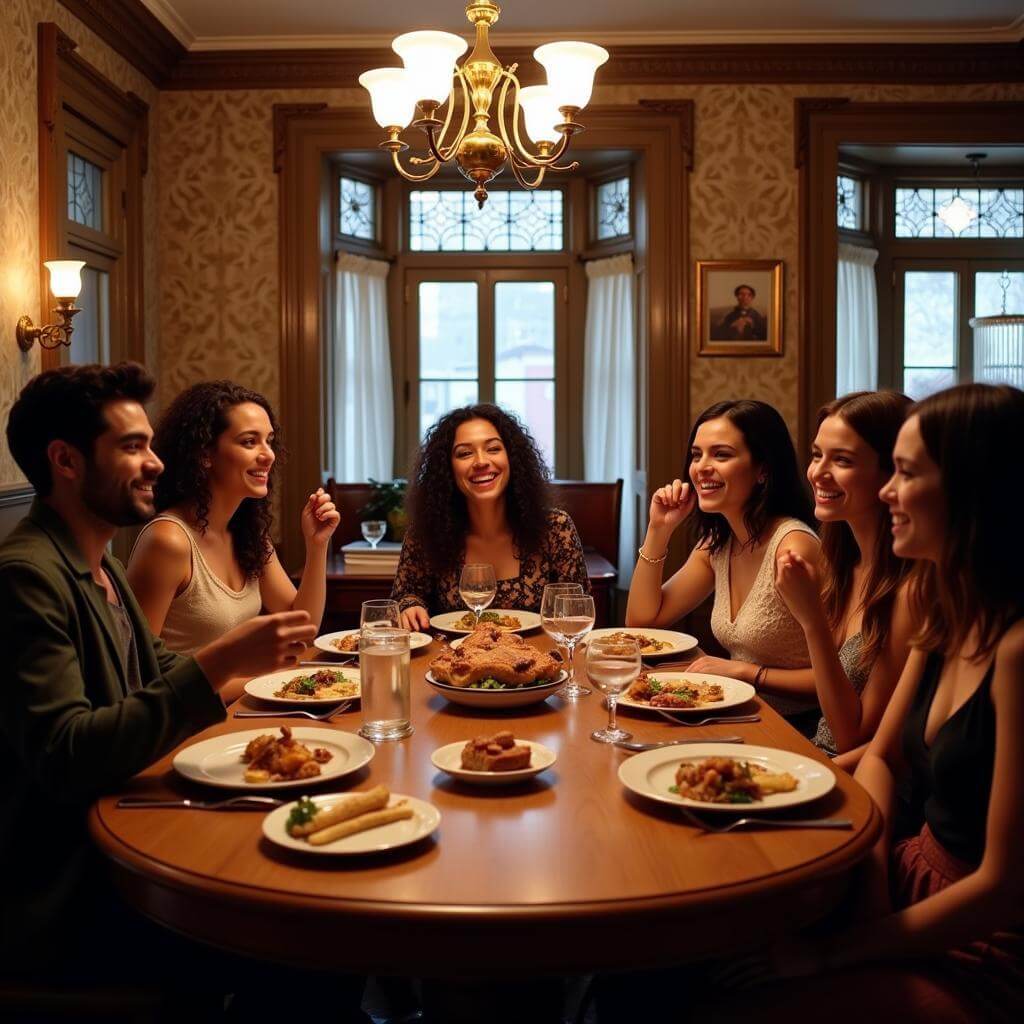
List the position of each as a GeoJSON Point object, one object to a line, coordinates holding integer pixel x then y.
{"type": "Point", "coordinates": [637, 747]}
{"type": "Point", "coordinates": [234, 803]}
{"type": "Point", "coordinates": [720, 720]}
{"type": "Point", "coordinates": [316, 716]}
{"type": "Point", "coordinates": [705, 826]}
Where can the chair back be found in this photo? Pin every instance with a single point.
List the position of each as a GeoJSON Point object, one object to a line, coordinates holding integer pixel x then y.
{"type": "Point", "coordinates": [596, 509]}
{"type": "Point", "coordinates": [349, 499]}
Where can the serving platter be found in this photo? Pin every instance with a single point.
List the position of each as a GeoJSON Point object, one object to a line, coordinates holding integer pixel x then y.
{"type": "Point", "coordinates": [517, 697]}
{"type": "Point", "coordinates": [447, 620]}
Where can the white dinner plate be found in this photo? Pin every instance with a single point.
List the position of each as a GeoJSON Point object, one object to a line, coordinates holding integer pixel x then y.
{"type": "Point", "coordinates": [449, 759]}
{"type": "Point", "coordinates": [652, 773]}
{"type": "Point", "coordinates": [446, 621]}
{"type": "Point", "coordinates": [517, 697]}
{"type": "Point", "coordinates": [324, 643]}
{"type": "Point", "coordinates": [426, 817]}
{"type": "Point", "coordinates": [678, 643]}
{"type": "Point", "coordinates": [734, 693]}
{"type": "Point", "coordinates": [218, 760]}
{"type": "Point", "coordinates": [264, 687]}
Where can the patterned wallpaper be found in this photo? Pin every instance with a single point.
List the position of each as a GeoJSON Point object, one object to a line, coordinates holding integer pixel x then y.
{"type": "Point", "coordinates": [19, 187]}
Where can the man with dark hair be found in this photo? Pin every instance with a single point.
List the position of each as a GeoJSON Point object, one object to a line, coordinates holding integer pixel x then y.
{"type": "Point", "coordinates": [742, 323]}
{"type": "Point", "coordinates": [88, 696]}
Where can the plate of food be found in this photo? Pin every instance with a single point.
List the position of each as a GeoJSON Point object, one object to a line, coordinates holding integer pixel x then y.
{"type": "Point", "coordinates": [495, 669]}
{"type": "Point", "coordinates": [497, 760]}
{"type": "Point", "coordinates": [509, 619]}
{"type": "Point", "coordinates": [684, 692]}
{"type": "Point", "coordinates": [653, 643]}
{"type": "Point", "coordinates": [351, 823]}
{"type": "Point", "coordinates": [718, 777]}
{"type": "Point", "coordinates": [346, 641]}
{"type": "Point", "coordinates": [263, 758]}
{"type": "Point", "coordinates": [311, 687]}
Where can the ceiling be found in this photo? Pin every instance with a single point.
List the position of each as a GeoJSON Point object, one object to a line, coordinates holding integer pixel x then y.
{"type": "Point", "coordinates": [272, 24]}
{"type": "Point", "coordinates": [937, 156]}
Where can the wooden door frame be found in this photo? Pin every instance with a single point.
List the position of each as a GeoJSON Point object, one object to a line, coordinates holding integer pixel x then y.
{"type": "Point", "coordinates": [822, 125]}
{"type": "Point", "coordinates": [304, 136]}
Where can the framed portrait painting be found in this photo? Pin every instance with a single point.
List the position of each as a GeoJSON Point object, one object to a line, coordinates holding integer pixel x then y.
{"type": "Point", "coordinates": [739, 307]}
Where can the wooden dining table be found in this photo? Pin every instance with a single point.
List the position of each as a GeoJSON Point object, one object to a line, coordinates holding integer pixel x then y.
{"type": "Point", "coordinates": [566, 872]}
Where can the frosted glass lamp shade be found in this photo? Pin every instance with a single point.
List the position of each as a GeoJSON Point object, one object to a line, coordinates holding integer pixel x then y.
{"type": "Point", "coordinates": [390, 96]}
{"type": "Point", "coordinates": [570, 67]}
{"type": "Point", "coordinates": [65, 277]}
{"type": "Point", "coordinates": [956, 214]}
{"type": "Point", "coordinates": [541, 113]}
{"type": "Point", "coordinates": [429, 59]}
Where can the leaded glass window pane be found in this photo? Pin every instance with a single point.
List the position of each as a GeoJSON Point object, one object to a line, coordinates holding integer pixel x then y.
{"type": "Point", "coordinates": [448, 221]}
{"type": "Point", "coordinates": [357, 209]}
{"type": "Point", "coordinates": [613, 209]}
{"type": "Point", "coordinates": [1000, 212]}
{"type": "Point", "coordinates": [848, 202]}
{"type": "Point", "coordinates": [85, 195]}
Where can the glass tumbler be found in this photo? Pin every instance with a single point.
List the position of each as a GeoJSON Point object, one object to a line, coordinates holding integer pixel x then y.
{"type": "Point", "coordinates": [384, 682]}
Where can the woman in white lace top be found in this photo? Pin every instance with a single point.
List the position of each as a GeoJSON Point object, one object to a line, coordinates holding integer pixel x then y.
{"type": "Point", "coordinates": [856, 619]}
{"type": "Point", "coordinates": [750, 504]}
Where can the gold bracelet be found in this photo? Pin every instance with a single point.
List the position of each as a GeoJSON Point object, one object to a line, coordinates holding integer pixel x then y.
{"type": "Point", "coordinates": [651, 561]}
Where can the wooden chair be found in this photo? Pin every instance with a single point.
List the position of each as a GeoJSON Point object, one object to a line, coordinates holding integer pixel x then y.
{"type": "Point", "coordinates": [596, 509]}
{"type": "Point", "coordinates": [349, 498]}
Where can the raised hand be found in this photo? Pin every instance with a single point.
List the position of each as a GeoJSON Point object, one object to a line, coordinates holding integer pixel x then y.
{"type": "Point", "coordinates": [797, 583]}
{"type": "Point", "coordinates": [670, 505]}
{"type": "Point", "coordinates": [320, 518]}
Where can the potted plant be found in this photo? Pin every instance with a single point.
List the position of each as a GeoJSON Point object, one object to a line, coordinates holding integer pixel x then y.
{"type": "Point", "coordinates": [387, 502]}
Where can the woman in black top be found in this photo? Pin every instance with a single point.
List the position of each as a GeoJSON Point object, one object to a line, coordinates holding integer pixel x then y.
{"type": "Point", "coordinates": [941, 936]}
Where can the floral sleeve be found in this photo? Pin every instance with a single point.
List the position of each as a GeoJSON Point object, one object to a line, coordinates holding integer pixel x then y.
{"type": "Point", "coordinates": [413, 584]}
{"type": "Point", "coordinates": [565, 553]}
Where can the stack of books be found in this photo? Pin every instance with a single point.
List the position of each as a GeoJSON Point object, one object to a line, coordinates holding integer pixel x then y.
{"type": "Point", "coordinates": [359, 557]}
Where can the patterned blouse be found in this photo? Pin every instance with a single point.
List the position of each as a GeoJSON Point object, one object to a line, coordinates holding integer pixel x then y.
{"type": "Point", "coordinates": [559, 560]}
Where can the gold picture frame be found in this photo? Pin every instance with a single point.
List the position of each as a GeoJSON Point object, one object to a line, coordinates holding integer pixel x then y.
{"type": "Point", "coordinates": [739, 307]}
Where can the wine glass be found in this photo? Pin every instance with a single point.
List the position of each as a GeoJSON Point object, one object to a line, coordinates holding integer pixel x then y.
{"type": "Point", "coordinates": [477, 587]}
{"type": "Point", "coordinates": [373, 531]}
{"type": "Point", "coordinates": [382, 614]}
{"type": "Point", "coordinates": [612, 665]}
{"type": "Point", "coordinates": [573, 620]}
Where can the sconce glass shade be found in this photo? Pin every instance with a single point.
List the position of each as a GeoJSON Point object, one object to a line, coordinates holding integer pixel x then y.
{"type": "Point", "coordinates": [570, 67]}
{"type": "Point", "coordinates": [429, 59]}
{"type": "Point", "coordinates": [956, 214]}
{"type": "Point", "coordinates": [65, 277]}
{"type": "Point", "coordinates": [392, 100]}
{"type": "Point", "coordinates": [541, 113]}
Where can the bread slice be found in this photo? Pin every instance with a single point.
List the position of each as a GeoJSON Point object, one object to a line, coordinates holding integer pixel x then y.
{"type": "Point", "coordinates": [497, 753]}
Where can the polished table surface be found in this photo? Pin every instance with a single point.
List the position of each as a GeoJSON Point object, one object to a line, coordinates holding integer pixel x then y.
{"type": "Point", "coordinates": [566, 872]}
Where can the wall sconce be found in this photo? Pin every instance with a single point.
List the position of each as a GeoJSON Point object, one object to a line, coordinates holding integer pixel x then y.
{"type": "Point", "coordinates": [65, 283]}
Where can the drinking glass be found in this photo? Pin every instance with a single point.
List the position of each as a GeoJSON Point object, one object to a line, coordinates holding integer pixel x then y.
{"type": "Point", "coordinates": [573, 620]}
{"type": "Point", "coordinates": [373, 531]}
{"type": "Point", "coordinates": [380, 614]}
{"type": "Point", "coordinates": [477, 587]}
{"type": "Point", "coordinates": [612, 665]}
{"type": "Point", "coordinates": [384, 683]}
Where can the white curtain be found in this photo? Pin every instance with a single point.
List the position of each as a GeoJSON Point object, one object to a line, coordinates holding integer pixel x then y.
{"type": "Point", "coordinates": [856, 320]}
{"type": "Point", "coordinates": [609, 388]}
{"type": "Point", "coordinates": [364, 419]}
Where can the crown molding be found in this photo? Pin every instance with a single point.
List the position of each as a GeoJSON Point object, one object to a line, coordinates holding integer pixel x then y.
{"type": "Point", "coordinates": [634, 65]}
{"type": "Point", "coordinates": [132, 31]}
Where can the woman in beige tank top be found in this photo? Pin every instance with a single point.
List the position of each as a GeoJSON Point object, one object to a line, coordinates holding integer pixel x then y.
{"type": "Point", "coordinates": [206, 562]}
{"type": "Point", "coordinates": [751, 506]}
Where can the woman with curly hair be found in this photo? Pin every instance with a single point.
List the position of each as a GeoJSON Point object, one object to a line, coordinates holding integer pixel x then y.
{"type": "Point", "coordinates": [206, 562]}
{"type": "Point", "coordinates": [479, 494]}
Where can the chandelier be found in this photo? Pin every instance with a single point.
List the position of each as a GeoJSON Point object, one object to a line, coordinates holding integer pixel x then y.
{"type": "Point", "coordinates": [430, 81]}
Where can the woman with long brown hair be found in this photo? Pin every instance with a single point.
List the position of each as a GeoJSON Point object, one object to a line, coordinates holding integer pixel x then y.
{"type": "Point", "coordinates": [856, 620]}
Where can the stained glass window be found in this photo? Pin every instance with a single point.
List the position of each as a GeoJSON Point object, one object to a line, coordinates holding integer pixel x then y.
{"type": "Point", "coordinates": [357, 209]}
{"type": "Point", "coordinates": [848, 202]}
{"type": "Point", "coordinates": [613, 209]}
{"type": "Point", "coordinates": [85, 197]}
{"type": "Point", "coordinates": [1000, 212]}
{"type": "Point", "coordinates": [449, 221]}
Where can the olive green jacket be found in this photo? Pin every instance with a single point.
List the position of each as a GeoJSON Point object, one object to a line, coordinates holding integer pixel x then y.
{"type": "Point", "coordinates": [69, 729]}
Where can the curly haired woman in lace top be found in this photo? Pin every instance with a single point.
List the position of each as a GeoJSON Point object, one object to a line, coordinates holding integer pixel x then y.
{"type": "Point", "coordinates": [479, 493]}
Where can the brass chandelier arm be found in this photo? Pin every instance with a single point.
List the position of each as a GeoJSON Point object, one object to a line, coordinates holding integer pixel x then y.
{"type": "Point", "coordinates": [518, 153]}
{"type": "Point", "coordinates": [436, 144]}
{"type": "Point", "coordinates": [412, 175]}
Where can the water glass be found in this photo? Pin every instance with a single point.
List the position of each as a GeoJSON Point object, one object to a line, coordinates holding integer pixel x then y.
{"type": "Point", "coordinates": [373, 531]}
{"type": "Point", "coordinates": [384, 682]}
{"type": "Point", "coordinates": [573, 619]}
{"type": "Point", "coordinates": [477, 587]}
{"type": "Point", "coordinates": [380, 614]}
{"type": "Point", "coordinates": [612, 665]}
